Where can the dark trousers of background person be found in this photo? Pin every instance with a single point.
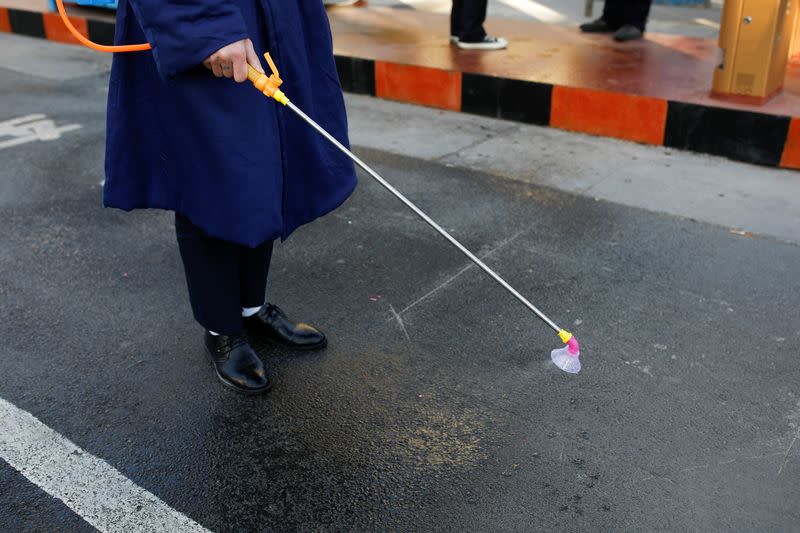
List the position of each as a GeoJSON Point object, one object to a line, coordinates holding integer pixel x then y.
{"type": "Point", "coordinates": [222, 277]}
{"type": "Point", "coordinates": [467, 18]}
{"type": "Point", "coordinates": [618, 13]}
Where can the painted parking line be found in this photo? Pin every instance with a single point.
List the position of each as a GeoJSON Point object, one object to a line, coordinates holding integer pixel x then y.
{"type": "Point", "coordinates": [30, 128]}
{"type": "Point", "coordinates": [92, 488]}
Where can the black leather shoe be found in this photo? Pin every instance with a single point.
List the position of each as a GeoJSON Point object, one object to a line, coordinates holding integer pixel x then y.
{"type": "Point", "coordinates": [271, 323]}
{"type": "Point", "coordinates": [628, 33]}
{"type": "Point", "coordinates": [236, 363]}
{"type": "Point", "coordinates": [597, 26]}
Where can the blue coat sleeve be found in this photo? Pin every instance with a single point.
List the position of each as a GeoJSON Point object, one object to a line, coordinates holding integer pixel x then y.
{"type": "Point", "coordinates": [183, 33]}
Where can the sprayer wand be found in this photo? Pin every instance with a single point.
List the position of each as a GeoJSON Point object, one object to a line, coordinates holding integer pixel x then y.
{"type": "Point", "coordinates": [269, 86]}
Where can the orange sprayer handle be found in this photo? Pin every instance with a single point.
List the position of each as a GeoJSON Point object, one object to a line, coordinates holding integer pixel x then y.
{"type": "Point", "coordinates": [99, 47]}
{"type": "Point", "coordinates": [266, 84]}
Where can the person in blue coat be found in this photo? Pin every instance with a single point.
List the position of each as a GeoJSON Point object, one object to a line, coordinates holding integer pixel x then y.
{"type": "Point", "coordinates": [238, 170]}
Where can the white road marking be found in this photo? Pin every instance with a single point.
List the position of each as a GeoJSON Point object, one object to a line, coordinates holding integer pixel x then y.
{"type": "Point", "coordinates": [434, 6]}
{"type": "Point", "coordinates": [528, 7]}
{"type": "Point", "coordinates": [31, 128]}
{"type": "Point", "coordinates": [535, 10]}
{"type": "Point", "coordinates": [708, 23]}
{"type": "Point", "coordinates": [92, 488]}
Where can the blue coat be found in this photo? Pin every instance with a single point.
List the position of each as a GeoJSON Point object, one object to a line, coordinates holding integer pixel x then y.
{"type": "Point", "coordinates": [237, 164]}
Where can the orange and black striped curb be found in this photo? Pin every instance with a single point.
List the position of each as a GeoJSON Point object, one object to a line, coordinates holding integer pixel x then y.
{"type": "Point", "coordinates": [753, 137]}
{"type": "Point", "coordinates": [760, 138]}
{"type": "Point", "coordinates": [49, 26]}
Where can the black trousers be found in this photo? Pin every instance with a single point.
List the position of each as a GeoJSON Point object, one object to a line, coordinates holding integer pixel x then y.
{"type": "Point", "coordinates": [222, 277]}
{"type": "Point", "coordinates": [618, 13]}
{"type": "Point", "coordinates": [467, 18]}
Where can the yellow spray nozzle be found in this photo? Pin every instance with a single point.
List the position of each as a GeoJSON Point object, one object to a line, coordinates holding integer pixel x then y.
{"type": "Point", "coordinates": [268, 84]}
{"type": "Point", "coordinates": [565, 335]}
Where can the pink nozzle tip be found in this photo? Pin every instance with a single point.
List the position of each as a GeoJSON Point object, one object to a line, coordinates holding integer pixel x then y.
{"type": "Point", "coordinates": [574, 347]}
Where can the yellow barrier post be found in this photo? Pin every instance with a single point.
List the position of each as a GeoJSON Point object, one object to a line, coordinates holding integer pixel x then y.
{"type": "Point", "coordinates": [754, 41]}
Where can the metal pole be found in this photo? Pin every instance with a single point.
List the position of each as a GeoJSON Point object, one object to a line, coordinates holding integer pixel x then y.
{"type": "Point", "coordinates": [423, 216]}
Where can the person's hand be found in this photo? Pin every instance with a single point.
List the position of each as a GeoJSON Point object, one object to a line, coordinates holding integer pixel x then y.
{"type": "Point", "coordinates": [231, 61]}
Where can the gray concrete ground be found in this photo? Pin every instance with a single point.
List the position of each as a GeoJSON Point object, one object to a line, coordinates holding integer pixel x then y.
{"type": "Point", "coordinates": [435, 408]}
{"type": "Point", "coordinates": [695, 21]}
{"type": "Point", "coordinates": [740, 197]}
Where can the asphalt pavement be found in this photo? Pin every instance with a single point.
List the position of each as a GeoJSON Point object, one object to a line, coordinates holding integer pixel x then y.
{"type": "Point", "coordinates": [435, 407]}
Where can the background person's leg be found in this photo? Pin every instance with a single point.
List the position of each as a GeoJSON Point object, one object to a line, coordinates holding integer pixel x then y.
{"type": "Point", "coordinates": [455, 18]}
{"type": "Point", "coordinates": [614, 13]}
{"type": "Point", "coordinates": [636, 12]}
{"type": "Point", "coordinates": [253, 272]}
{"type": "Point", "coordinates": [473, 15]}
{"type": "Point", "coordinates": [212, 276]}
{"type": "Point", "coordinates": [609, 22]}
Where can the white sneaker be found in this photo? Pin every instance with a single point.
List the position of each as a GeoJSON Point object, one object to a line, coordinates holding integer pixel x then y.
{"type": "Point", "coordinates": [453, 39]}
{"type": "Point", "coordinates": [488, 43]}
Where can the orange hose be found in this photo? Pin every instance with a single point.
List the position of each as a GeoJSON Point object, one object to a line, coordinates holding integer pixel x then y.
{"type": "Point", "coordinates": [99, 47]}
{"type": "Point", "coordinates": [266, 84]}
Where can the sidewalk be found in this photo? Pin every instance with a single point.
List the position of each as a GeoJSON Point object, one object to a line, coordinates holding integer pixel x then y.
{"type": "Point", "coordinates": [746, 200]}
{"type": "Point", "coordinates": [654, 91]}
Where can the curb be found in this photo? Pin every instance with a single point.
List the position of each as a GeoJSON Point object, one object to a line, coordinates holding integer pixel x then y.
{"type": "Point", "coordinates": [752, 137]}
{"type": "Point", "coordinates": [49, 26]}
{"type": "Point", "coordinates": [748, 136]}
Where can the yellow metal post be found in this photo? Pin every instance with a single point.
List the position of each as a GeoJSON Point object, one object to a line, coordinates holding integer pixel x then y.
{"type": "Point", "coordinates": [794, 46]}
{"type": "Point", "coordinates": [754, 41]}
